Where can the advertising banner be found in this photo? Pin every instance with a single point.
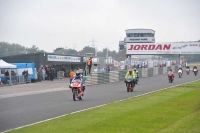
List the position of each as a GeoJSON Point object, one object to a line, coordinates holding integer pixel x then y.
{"type": "Point", "coordinates": [140, 39]}
{"type": "Point", "coordinates": [116, 64]}
{"type": "Point", "coordinates": [163, 48]}
{"type": "Point", "coordinates": [63, 58]}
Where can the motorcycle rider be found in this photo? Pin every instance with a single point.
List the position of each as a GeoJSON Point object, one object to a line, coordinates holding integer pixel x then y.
{"type": "Point", "coordinates": [136, 72]}
{"type": "Point", "coordinates": [180, 70]}
{"type": "Point", "coordinates": [188, 68]}
{"type": "Point", "coordinates": [79, 76]}
{"type": "Point", "coordinates": [195, 67]}
{"type": "Point", "coordinates": [171, 73]}
{"type": "Point", "coordinates": [132, 74]}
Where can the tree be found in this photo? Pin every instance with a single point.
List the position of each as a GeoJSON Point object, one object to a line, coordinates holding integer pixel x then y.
{"type": "Point", "coordinates": [87, 49]}
{"type": "Point", "coordinates": [61, 50]}
{"type": "Point", "coordinates": [7, 49]}
{"type": "Point", "coordinates": [33, 49]}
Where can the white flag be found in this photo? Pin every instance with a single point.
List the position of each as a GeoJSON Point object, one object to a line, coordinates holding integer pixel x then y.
{"type": "Point", "coordinates": [107, 53]}
{"type": "Point", "coordinates": [96, 51]}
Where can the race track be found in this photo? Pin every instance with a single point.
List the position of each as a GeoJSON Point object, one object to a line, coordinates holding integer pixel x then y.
{"type": "Point", "coordinates": [26, 109]}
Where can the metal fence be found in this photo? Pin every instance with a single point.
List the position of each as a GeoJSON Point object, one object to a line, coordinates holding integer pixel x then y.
{"type": "Point", "coordinates": [13, 80]}
{"type": "Point", "coordinates": [60, 74]}
{"type": "Point", "coordinates": [101, 64]}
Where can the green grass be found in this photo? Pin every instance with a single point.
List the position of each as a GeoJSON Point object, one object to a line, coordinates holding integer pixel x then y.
{"type": "Point", "coordinates": [194, 64]}
{"type": "Point", "coordinates": [175, 110]}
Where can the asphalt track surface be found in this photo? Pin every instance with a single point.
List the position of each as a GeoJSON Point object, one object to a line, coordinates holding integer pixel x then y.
{"type": "Point", "coordinates": [27, 109]}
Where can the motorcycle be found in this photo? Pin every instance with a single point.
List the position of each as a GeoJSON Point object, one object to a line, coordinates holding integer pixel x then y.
{"type": "Point", "coordinates": [188, 71]}
{"type": "Point", "coordinates": [195, 71]}
{"type": "Point", "coordinates": [128, 84]}
{"type": "Point", "coordinates": [77, 89]}
{"type": "Point", "coordinates": [171, 79]}
{"type": "Point", "coordinates": [180, 73]}
{"type": "Point", "coordinates": [136, 79]}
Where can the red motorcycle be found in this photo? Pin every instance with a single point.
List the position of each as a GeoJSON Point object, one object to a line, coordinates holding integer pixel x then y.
{"type": "Point", "coordinates": [195, 70]}
{"type": "Point", "coordinates": [171, 78]}
{"type": "Point", "coordinates": [77, 89]}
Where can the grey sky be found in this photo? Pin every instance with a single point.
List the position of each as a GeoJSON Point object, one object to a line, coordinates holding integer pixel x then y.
{"type": "Point", "coordinates": [62, 23]}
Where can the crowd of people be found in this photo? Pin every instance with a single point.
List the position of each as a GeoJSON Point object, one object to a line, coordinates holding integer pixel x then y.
{"type": "Point", "coordinates": [47, 73]}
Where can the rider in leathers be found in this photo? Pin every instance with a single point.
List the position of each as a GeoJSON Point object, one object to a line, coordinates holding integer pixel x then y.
{"type": "Point", "coordinates": [132, 74]}
{"type": "Point", "coordinates": [136, 72]}
{"type": "Point", "coordinates": [79, 76]}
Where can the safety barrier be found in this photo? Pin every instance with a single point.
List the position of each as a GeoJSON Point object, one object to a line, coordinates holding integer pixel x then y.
{"type": "Point", "coordinates": [150, 72]}
{"type": "Point", "coordinates": [92, 79]}
{"type": "Point", "coordinates": [160, 70]}
{"type": "Point", "coordinates": [115, 76]}
{"type": "Point", "coordinates": [164, 70]}
{"type": "Point", "coordinates": [144, 72]}
{"type": "Point", "coordinates": [155, 71]}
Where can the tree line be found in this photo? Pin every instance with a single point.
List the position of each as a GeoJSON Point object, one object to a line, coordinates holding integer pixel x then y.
{"type": "Point", "coordinates": [7, 49]}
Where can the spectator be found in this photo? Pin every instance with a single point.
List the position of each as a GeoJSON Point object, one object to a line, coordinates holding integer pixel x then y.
{"type": "Point", "coordinates": [48, 74]}
{"type": "Point", "coordinates": [51, 74]}
{"type": "Point", "coordinates": [43, 73]}
{"type": "Point", "coordinates": [6, 74]}
{"type": "Point", "coordinates": [108, 68]}
{"type": "Point", "coordinates": [1, 83]}
{"type": "Point", "coordinates": [89, 64]}
{"type": "Point", "coordinates": [71, 75]}
{"type": "Point", "coordinates": [26, 75]}
{"type": "Point", "coordinates": [63, 69]}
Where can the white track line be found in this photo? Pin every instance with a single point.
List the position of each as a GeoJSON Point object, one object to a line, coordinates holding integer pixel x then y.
{"type": "Point", "coordinates": [97, 106]}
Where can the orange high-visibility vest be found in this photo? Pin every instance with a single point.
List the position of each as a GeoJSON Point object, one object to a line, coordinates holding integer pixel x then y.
{"type": "Point", "coordinates": [89, 62]}
{"type": "Point", "coordinates": [71, 74]}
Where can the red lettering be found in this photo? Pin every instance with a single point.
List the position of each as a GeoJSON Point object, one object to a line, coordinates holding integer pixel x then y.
{"type": "Point", "coordinates": [167, 47]}
{"type": "Point", "coordinates": [137, 47]}
{"type": "Point", "coordinates": [159, 47]}
{"type": "Point", "coordinates": [144, 47]}
{"type": "Point", "coordinates": [193, 44]}
{"type": "Point", "coordinates": [131, 47]}
{"type": "Point", "coordinates": [151, 47]}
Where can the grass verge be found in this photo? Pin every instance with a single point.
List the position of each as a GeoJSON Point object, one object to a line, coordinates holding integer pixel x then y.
{"type": "Point", "coordinates": [194, 64]}
{"type": "Point", "coordinates": [168, 111]}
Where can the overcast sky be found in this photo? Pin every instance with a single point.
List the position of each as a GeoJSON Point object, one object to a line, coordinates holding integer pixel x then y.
{"type": "Point", "coordinates": [62, 23]}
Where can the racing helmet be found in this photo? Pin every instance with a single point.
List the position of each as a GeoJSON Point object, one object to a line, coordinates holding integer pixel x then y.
{"type": "Point", "coordinates": [130, 70]}
{"type": "Point", "coordinates": [78, 73]}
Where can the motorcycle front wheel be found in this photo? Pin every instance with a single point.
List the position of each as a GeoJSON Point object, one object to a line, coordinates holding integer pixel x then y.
{"type": "Point", "coordinates": [74, 95]}
{"type": "Point", "coordinates": [128, 87]}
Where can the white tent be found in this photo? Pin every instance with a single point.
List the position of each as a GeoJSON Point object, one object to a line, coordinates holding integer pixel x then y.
{"type": "Point", "coordinates": [4, 65]}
